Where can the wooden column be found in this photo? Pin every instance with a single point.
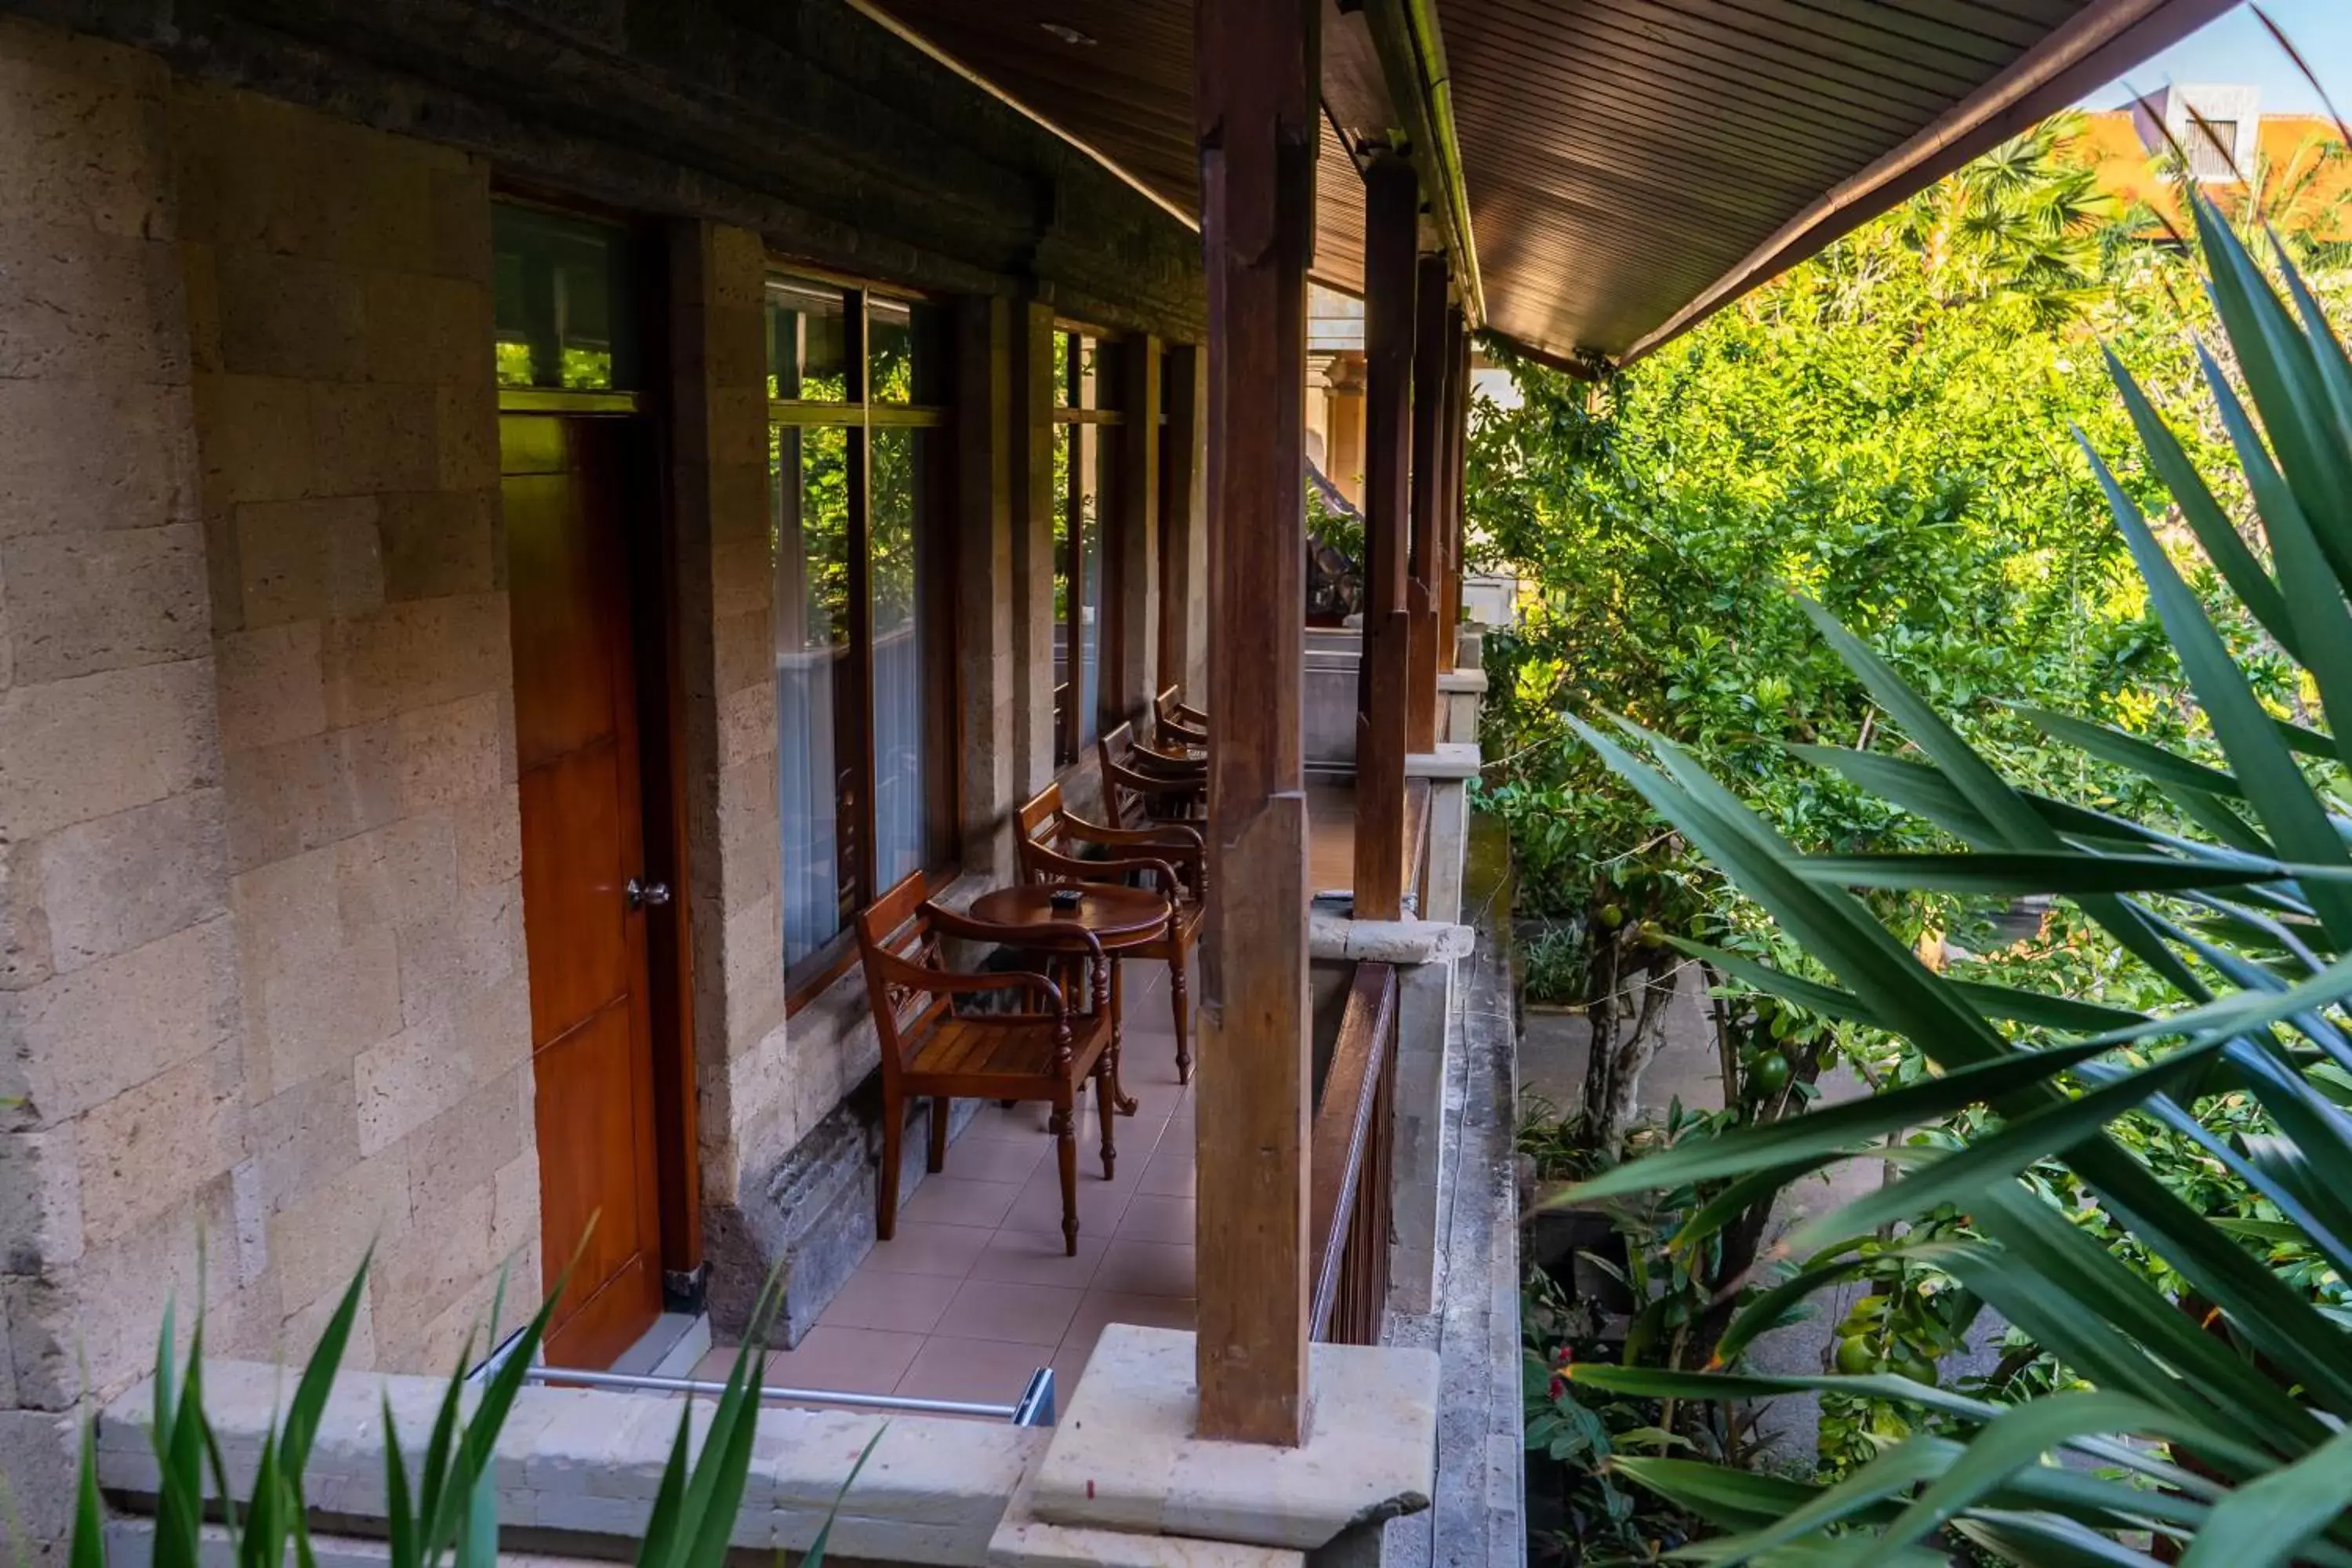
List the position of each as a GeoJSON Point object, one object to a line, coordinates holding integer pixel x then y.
{"type": "Point", "coordinates": [1184, 529]}
{"type": "Point", "coordinates": [1132, 543]}
{"type": "Point", "coordinates": [1391, 203]}
{"type": "Point", "coordinates": [1344, 458]}
{"type": "Point", "coordinates": [1456, 455]}
{"type": "Point", "coordinates": [1254, 93]}
{"type": "Point", "coordinates": [1430, 381]}
{"type": "Point", "coordinates": [1035, 498]}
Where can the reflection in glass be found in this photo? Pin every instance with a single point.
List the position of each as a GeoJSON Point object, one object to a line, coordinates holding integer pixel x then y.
{"type": "Point", "coordinates": [563, 309]}
{"type": "Point", "coordinates": [1086, 501]}
{"type": "Point", "coordinates": [895, 575]}
{"type": "Point", "coordinates": [816, 695]}
{"type": "Point", "coordinates": [808, 343]}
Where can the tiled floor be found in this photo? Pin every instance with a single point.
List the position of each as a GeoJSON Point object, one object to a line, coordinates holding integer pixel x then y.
{"type": "Point", "coordinates": [974, 1293]}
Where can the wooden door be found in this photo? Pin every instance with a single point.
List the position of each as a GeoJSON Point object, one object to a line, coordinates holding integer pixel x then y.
{"type": "Point", "coordinates": [574, 486]}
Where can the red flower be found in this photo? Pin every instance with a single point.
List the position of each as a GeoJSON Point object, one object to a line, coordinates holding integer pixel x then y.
{"type": "Point", "coordinates": [1558, 1387]}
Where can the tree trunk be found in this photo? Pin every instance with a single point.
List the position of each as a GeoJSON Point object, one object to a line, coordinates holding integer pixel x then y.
{"type": "Point", "coordinates": [1612, 1080]}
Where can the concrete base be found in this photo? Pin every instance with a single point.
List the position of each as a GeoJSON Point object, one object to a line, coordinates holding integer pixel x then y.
{"type": "Point", "coordinates": [1124, 1459]}
{"type": "Point", "coordinates": [1025, 1540]}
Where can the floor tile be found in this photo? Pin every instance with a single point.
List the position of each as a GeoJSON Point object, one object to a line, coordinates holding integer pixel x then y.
{"type": "Point", "coordinates": [1036, 1257]}
{"type": "Point", "coordinates": [1171, 1171]}
{"type": "Point", "coordinates": [959, 1200]}
{"type": "Point", "coordinates": [1039, 1207]}
{"type": "Point", "coordinates": [1021, 1121]}
{"type": "Point", "coordinates": [1150, 1218]}
{"type": "Point", "coordinates": [917, 1248]}
{"type": "Point", "coordinates": [990, 1371]}
{"type": "Point", "coordinates": [1008, 1159]}
{"type": "Point", "coordinates": [1145, 1268]}
{"type": "Point", "coordinates": [846, 1361]}
{"type": "Point", "coordinates": [1103, 1307]}
{"type": "Point", "coordinates": [903, 1303]}
{"type": "Point", "coordinates": [1023, 1314]}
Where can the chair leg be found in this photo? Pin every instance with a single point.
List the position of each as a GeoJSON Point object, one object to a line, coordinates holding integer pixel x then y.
{"type": "Point", "coordinates": [939, 1150]}
{"type": "Point", "coordinates": [1106, 1110]}
{"type": "Point", "coordinates": [1177, 999]}
{"type": "Point", "coordinates": [1065, 1153]}
{"type": "Point", "coordinates": [894, 1124]}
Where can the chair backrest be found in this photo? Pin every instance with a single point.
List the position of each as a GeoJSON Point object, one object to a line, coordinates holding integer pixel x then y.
{"type": "Point", "coordinates": [1040, 823]}
{"type": "Point", "coordinates": [1165, 706]}
{"type": "Point", "coordinates": [896, 945]}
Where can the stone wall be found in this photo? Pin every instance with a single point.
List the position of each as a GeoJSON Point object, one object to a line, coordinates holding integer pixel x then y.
{"type": "Point", "coordinates": [121, 1116]}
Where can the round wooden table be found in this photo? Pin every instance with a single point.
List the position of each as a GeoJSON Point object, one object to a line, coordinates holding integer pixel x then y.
{"type": "Point", "coordinates": [1118, 918]}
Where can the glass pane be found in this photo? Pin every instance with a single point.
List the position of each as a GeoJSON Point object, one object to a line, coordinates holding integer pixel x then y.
{"type": "Point", "coordinates": [890, 352]}
{"type": "Point", "coordinates": [1065, 443]}
{"type": "Point", "coordinates": [816, 696]}
{"type": "Point", "coordinates": [1087, 691]}
{"type": "Point", "coordinates": [808, 343]}
{"type": "Point", "coordinates": [564, 302]}
{"type": "Point", "coordinates": [901, 787]}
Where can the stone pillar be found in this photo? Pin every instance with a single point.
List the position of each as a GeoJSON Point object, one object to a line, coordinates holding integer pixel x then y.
{"type": "Point", "coordinates": [1424, 1010]}
{"type": "Point", "coordinates": [1133, 538]}
{"type": "Point", "coordinates": [1345, 464]}
{"type": "Point", "coordinates": [1183, 514]}
{"type": "Point", "coordinates": [725, 581]}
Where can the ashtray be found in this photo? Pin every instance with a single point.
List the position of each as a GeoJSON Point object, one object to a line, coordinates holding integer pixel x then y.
{"type": "Point", "coordinates": [1066, 897]}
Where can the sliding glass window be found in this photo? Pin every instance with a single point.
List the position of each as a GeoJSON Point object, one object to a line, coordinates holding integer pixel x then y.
{"type": "Point", "coordinates": [1083, 457]}
{"type": "Point", "coordinates": [864, 700]}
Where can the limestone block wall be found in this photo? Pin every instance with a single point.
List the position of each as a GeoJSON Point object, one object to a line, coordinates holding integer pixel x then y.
{"type": "Point", "coordinates": [338, 286]}
{"type": "Point", "coordinates": [121, 1119]}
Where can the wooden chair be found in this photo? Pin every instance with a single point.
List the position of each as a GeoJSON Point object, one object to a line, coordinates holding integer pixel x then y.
{"type": "Point", "coordinates": [1173, 855]}
{"type": "Point", "coordinates": [1178, 721]}
{"type": "Point", "coordinates": [1140, 789]}
{"type": "Point", "coordinates": [928, 1047]}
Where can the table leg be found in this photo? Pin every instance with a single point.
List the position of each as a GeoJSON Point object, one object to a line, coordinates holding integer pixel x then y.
{"type": "Point", "coordinates": [1128, 1104]}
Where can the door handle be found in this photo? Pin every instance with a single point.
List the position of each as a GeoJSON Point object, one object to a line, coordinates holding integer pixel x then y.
{"type": "Point", "coordinates": [644, 895]}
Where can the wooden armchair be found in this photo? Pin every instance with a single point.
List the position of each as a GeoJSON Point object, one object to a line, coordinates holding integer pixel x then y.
{"type": "Point", "coordinates": [1179, 723]}
{"type": "Point", "coordinates": [1170, 854]}
{"type": "Point", "coordinates": [928, 1047]}
{"type": "Point", "coordinates": [1141, 788]}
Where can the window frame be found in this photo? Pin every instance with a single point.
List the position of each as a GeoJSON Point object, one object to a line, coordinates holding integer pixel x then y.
{"type": "Point", "coordinates": [858, 416]}
{"type": "Point", "coordinates": [1069, 723]}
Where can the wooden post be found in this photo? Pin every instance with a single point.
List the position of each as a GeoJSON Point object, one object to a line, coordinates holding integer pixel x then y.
{"type": "Point", "coordinates": [1456, 456]}
{"type": "Point", "coordinates": [1254, 93]}
{"type": "Point", "coordinates": [1430, 380]}
{"type": "Point", "coordinates": [1183, 528]}
{"type": "Point", "coordinates": [1343, 459]}
{"type": "Point", "coordinates": [1131, 586]}
{"type": "Point", "coordinates": [1391, 203]}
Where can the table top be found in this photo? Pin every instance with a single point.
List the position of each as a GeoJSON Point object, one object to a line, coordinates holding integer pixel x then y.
{"type": "Point", "coordinates": [1119, 917]}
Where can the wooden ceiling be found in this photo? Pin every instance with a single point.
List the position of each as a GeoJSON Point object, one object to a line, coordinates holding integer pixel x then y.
{"type": "Point", "coordinates": [1630, 164]}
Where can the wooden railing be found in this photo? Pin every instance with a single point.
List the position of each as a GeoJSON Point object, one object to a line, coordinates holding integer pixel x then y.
{"type": "Point", "coordinates": [1348, 1198]}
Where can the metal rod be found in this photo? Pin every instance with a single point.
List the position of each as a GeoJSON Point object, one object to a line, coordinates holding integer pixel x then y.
{"type": "Point", "coordinates": [650, 1383]}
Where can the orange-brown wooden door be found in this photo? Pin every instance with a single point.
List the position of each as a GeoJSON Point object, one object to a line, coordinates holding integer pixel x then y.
{"type": "Point", "coordinates": [571, 485]}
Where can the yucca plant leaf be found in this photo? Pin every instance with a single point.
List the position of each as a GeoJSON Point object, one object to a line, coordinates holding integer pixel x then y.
{"type": "Point", "coordinates": [2043, 1540]}
{"type": "Point", "coordinates": [318, 1379]}
{"type": "Point", "coordinates": [2307, 740]}
{"type": "Point", "coordinates": [1997, 1155]}
{"type": "Point", "coordinates": [1831, 1130]}
{"type": "Point", "coordinates": [179, 1503]}
{"type": "Point", "coordinates": [399, 1520]}
{"type": "Point", "coordinates": [815, 1556]}
{"type": "Point", "coordinates": [478, 1536]}
{"type": "Point", "coordinates": [1664, 1382]}
{"type": "Point", "coordinates": [2292, 815]}
{"type": "Point", "coordinates": [2326, 349]}
{"type": "Point", "coordinates": [2215, 533]}
{"type": "Point", "coordinates": [1743, 1192]}
{"type": "Point", "coordinates": [2021, 1434]}
{"type": "Point", "coordinates": [658, 1548]}
{"type": "Point", "coordinates": [2004, 1002]}
{"type": "Point", "coordinates": [1997, 874]}
{"type": "Point", "coordinates": [1734, 1499]}
{"type": "Point", "coordinates": [1766, 1308]}
{"type": "Point", "coordinates": [1861, 1495]}
{"type": "Point", "coordinates": [2145, 758]}
{"type": "Point", "coordinates": [2266, 1521]}
{"type": "Point", "coordinates": [89, 1509]}
{"type": "Point", "coordinates": [2214, 814]}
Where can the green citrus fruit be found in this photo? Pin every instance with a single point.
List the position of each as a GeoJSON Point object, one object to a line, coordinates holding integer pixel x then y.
{"type": "Point", "coordinates": [1854, 1356]}
{"type": "Point", "coordinates": [1768, 1073]}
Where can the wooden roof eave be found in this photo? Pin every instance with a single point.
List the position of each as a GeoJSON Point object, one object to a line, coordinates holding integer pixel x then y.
{"type": "Point", "coordinates": [2107, 38]}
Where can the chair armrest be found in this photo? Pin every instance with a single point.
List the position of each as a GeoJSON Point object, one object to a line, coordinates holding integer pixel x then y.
{"type": "Point", "coordinates": [1173, 836]}
{"type": "Point", "coordinates": [889, 966]}
{"type": "Point", "coordinates": [1041, 858]}
{"type": "Point", "coordinates": [1024, 936]}
{"type": "Point", "coordinates": [1155, 784]}
{"type": "Point", "coordinates": [1191, 715]}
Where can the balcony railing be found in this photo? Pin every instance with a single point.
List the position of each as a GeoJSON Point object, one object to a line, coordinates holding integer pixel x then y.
{"type": "Point", "coordinates": [1351, 1143]}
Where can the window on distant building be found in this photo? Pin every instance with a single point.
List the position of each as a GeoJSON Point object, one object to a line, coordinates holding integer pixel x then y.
{"type": "Point", "coordinates": [2213, 147]}
{"type": "Point", "coordinates": [865, 698]}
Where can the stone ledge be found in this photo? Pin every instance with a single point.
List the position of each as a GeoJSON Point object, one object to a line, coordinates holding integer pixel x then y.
{"type": "Point", "coordinates": [587, 1461]}
{"type": "Point", "coordinates": [1125, 1458]}
{"type": "Point", "coordinates": [1451, 760]}
{"type": "Point", "coordinates": [1386, 941]}
{"type": "Point", "coordinates": [1462, 680]}
{"type": "Point", "coordinates": [1025, 1540]}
